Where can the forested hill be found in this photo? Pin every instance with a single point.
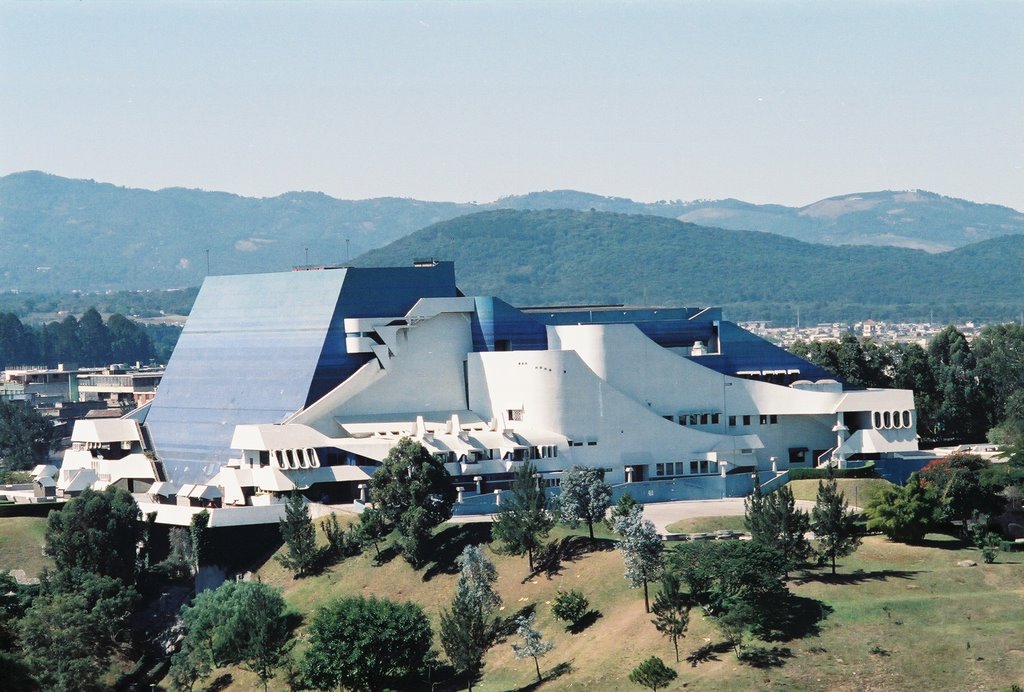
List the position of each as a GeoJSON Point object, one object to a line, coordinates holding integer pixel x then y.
{"type": "Point", "coordinates": [546, 257]}
{"type": "Point", "coordinates": [58, 235]}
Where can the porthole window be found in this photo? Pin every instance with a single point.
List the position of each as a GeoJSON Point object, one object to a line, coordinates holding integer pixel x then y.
{"type": "Point", "coordinates": [906, 419]}
{"type": "Point", "coordinates": [896, 419]}
{"type": "Point", "coordinates": [878, 420]}
{"type": "Point", "coordinates": [887, 419]}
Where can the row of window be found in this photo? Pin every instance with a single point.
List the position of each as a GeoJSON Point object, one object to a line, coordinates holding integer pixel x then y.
{"type": "Point", "coordinates": [473, 457]}
{"type": "Point", "coordinates": [708, 418]}
{"type": "Point", "coordinates": [892, 419]}
{"type": "Point", "coordinates": [763, 419]}
{"type": "Point", "coordinates": [679, 468]}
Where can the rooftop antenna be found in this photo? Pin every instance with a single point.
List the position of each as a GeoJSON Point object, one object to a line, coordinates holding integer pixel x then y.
{"type": "Point", "coordinates": [348, 257]}
{"type": "Point", "coordinates": [207, 261]}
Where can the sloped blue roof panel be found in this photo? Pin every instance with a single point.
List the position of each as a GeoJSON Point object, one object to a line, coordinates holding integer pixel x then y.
{"type": "Point", "coordinates": [742, 351]}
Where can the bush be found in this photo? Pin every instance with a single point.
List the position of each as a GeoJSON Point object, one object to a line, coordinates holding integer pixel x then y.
{"type": "Point", "coordinates": [570, 606]}
{"type": "Point", "coordinates": [1011, 547]}
{"type": "Point", "coordinates": [866, 471]}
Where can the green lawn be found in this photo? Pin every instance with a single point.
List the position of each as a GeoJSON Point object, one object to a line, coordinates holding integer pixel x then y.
{"type": "Point", "coordinates": [21, 544]}
{"type": "Point", "coordinates": [858, 491]}
{"type": "Point", "coordinates": [707, 524]}
{"type": "Point", "coordinates": [896, 617]}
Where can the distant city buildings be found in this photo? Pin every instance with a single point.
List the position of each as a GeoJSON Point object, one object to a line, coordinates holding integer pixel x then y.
{"type": "Point", "coordinates": [882, 332]}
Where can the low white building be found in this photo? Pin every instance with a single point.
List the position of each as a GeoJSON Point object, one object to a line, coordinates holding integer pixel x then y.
{"type": "Point", "coordinates": [306, 380]}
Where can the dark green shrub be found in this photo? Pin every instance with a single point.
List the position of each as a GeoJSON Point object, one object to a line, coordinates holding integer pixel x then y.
{"type": "Point", "coordinates": [570, 606]}
{"type": "Point", "coordinates": [866, 471]}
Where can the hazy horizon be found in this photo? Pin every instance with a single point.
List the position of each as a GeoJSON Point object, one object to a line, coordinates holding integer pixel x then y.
{"type": "Point", "coordinates": [781, 102]}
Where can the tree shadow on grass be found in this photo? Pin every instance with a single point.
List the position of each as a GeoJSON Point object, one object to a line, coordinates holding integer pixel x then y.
{"type": "Point", "coordinates": [448, 544]}
{"type": "Point", "coordinates": [221, 682]}
{"type": "Point", "coordinates": [708, 652]}
{"type": "Point", "coordinates": [945, 542]}
{"type": "Point", "coordinates": [558, 671]}
{"type": "Point", "coordinates": [550, 558]}
{"type": "Point", "coordinates": [856, 577]}
{"type": "Point", "coordinates": [584, 622]}
{"type": "Point", "coordinates": [504, 627]}
{"type": "Point", "coordinates": [791, 617]}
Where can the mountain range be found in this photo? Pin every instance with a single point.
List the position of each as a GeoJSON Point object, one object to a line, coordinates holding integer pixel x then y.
{"type": "Point", "coordinates": [59, 234]}
{"type": "Point", "coordinates": [563, 256]}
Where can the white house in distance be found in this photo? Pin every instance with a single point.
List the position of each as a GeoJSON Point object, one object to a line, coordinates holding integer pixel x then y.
{"type": "Point", "coordinates": [306, 379]}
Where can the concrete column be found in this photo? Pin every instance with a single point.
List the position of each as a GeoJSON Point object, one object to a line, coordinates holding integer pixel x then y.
{"type": "Point", "coordinates": [629, 474]}
{"type": "Point", "coordinates": [775, 465]}
{"type": "Point", "coordinates": [479, 480]}
{"type": "Point", "coordinates": [459, 492]}
{"type": "Point", "coordinates": [362, 492]}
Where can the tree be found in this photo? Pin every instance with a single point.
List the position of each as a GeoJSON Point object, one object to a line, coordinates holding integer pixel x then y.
{"type": "Point", "coordinates": [642, 550]}
{"type": "Point", "coordinates": [775, 521]}
{"type": "Point", "coordinates": [958, 482]}
{"type": "Point", "coordinates": [73, 626]}
{"type": "Point", "coordinates": [960, 415]}
{"type": "Point", "coordinates": [533, 644]}
{"type": "Point", "coordinates": [904, 513]}
{"type": "Point", "coordinates": [585, 496]}
{"type": "Point", "coordinates": [26, 436]}
{"type": "Point", "coordinates": [414, 492]}
{"type": "Point", "coordinates": [96, 532]}
{"type": "Point", "coordinates": [671, 610]}
{"type": "Point", "coordinates": [299, 536]}
{"type": "Point", "coordinates": [93, 339]}
{"type": "Point", "coordinates": [128, 341]}
{"type": "Point", "coordinates": [243, 623]}
{"type": "Point", "coordinates": [722, 574]}
{"type": "Point", "coordinates": [653, 673]}
{"type": "Point", "coordinates": [622, 508]}
{"type": "Point", "coordinates": [570, 606]}
{"type": "Point", "coordinates": [477, 575]}
{"type": "Point", "coordinates": [464, 636]}
{"type": "Point", "coordinates": [367, 644]}
{"type": "Point", "coordinates": [832, 525]}
{"type": "Point", "coordinates": [371, 529]}
{"type": "Point", "coordinates": [189, 665]}
{"type": "Point", "coordinates": [523, 520]}
{"type": "Point", "coordinates": [18, 343]}
{"type": "Point", "coordinates": [198, 538]}
{"type": "Point", "coordinates": [465, 632]}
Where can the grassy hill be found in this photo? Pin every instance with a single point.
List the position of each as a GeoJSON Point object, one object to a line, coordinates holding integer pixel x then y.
{"type": "Point", "coordinates": [558, 256]}
{"type": "Point", "coordinates": [897, 617]}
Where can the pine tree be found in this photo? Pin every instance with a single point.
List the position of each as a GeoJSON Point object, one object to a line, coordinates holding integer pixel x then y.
{"type": "Point", "coordinates": [464, 636]}
{"type": "Point", "coordinates": [671, 611]}
{"type": "Point", "coordinates": [523, 520]}
{"type": "Point", "coordinates": [775, 521]}
{"type": "Point", "coordinates": [653, 673]}
{"type": "Point", "coordinates": [299, 536]}
{"type": "Point", "coordinates": [832, 526]}
{"type": "Point", "coordinates": [533, 642]}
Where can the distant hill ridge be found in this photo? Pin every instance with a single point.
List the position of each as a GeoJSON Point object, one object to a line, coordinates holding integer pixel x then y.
{"type": "Point", "coordinates": [59, 234]}
{"type": "Point", "coordinates": [562, 256]}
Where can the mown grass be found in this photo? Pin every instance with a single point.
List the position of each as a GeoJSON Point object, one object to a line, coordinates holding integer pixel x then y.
{"type": "Point", "coordinates": [707, 524]}
{"type": "Point", "coordinates": [21, 544]}
{"type": "Point", "coordinates": [896, 617]}
{"type": "Point", "coordinates": [858, 491]}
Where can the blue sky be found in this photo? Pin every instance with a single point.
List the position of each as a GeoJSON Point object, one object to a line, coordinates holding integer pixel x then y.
{"type": "Point", "coordinates": [784, 102]}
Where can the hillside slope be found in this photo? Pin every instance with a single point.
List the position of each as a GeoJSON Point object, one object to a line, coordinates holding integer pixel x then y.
{"type": "Point", "coordinates": [545, 257]}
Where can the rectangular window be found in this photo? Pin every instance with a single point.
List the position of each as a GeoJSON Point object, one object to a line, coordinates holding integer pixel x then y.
{"type": "Point", "coordinates": [680, 468]}
{"type": "Point", "coordinates": [763, 419]}
{"type": "Point", "coordinates": [670, 419]}
{"type": "Point", "coordinates": [693, 419]}
{"type": "Point", "coordinates": [659, 469]}
{"type": "Point", "coordinates": [715, 418]}
{"type": "Point", "coordinates": [703, 419]}
{"type": "Point", "coordinates": [592, 443]}
{"type": "Point", "coordinates": [515, 414]}
{"type": "Point", "coordinates": [746, 420]}
{"type": "Point", "coordinates": [773, 419]}
{"type": "Point", "coordinates": [712, 467]}
{"type": "Point", "coordinates": [732, 421]}
{"type": "Point", "coordinates": [694, 467]}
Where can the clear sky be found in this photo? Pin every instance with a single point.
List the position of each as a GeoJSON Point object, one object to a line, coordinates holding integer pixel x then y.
{"type": "Point", "coordinates": [784, 102]}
